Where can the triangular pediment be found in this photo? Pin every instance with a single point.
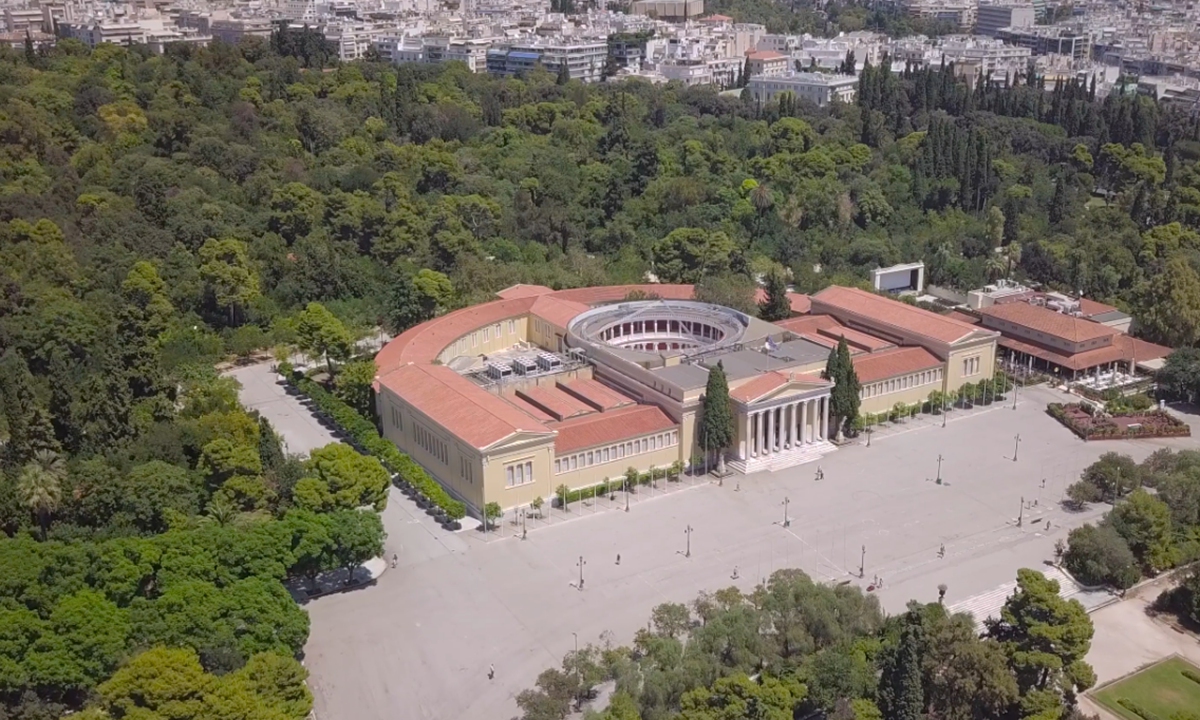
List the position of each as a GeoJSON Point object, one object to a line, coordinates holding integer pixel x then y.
{"type": "Point", "coordinates": [795, 388]}
{"type": "Point", "coordinates": [520, 438]}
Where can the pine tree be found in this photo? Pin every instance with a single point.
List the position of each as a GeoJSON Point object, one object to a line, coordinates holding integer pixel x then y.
{"type": "Point", "coordinates": [776, 305]}
{"type": "Point", "coordinates": [901, 695]}
{"type": "Point", "coordinates": [30, 428]}
{"type": "Point", "coordinates": [1058, 203]}
{"type": "Point", "coordinates": [270, 449]}
{"type": "Point", "coordinates": [716, 415]}
{"type": "Point", "coordinates": [564, 74]}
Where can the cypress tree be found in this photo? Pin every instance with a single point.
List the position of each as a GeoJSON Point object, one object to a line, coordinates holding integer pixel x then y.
{"type": "Point", "coordinates": [716, 416]}
{"type": "Point", "coordinates": [776, 306]}
{"type": "Point", "coordinates": [901, 696]}
{"type": "Point", "coordinates": [844, 400]}
{"type": "Point", "coordinates": [270, 450]}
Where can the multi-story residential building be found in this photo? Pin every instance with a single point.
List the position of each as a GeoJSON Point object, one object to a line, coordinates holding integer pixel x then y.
{"type": "Point", "coordinates": [764, 63]}
{"type": "Point", "coordinates": [232, 30]}
{"type": "Point", "coordinates": [95, 33]}
{"type": "Point", "coordinates": [669, 10]}
{"type": "Point", "coordinates": [22, 20]}
{"type": "Point", "coordinates": [817, 88]}
{"type": "Point", "coordinates": [1006, 13]}
{"type": "Point", "coordinates": [959, 12]}
{"type": "Point", "coordinates": [352, 39]}
{"type": "Point", "coordinates": [1049, 40]}
{"type": "Point", "coordinates": [583, 60]}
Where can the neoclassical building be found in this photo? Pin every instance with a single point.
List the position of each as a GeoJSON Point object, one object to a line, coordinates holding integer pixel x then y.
{"type": "Point", "coordinates": [508, 400]}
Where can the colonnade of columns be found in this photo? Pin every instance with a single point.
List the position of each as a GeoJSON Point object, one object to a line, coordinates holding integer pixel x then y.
{"type": "Point", "coordinates": [785, 426]}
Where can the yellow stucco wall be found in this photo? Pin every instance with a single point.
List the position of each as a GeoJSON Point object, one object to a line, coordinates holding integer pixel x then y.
{"type": "Point", "coordinates": [586, 475]}
{"type": "Point", "coordinates": [981, 367]}
{"type": "Point", "coordinates": [539, 456]}
{"type": "Point", "coordinates": [489, 339]}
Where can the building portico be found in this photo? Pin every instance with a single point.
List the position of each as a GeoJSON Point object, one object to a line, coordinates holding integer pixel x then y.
{"type": "Point", "coordinates": [782, 420]}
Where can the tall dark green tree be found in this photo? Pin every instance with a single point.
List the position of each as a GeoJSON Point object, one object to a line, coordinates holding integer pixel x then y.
{"type": "Point", "coordinates": [901, 695]}
{"type": "Point", "coordinates": [716, 414]}
{"type": "Point", "coordinates": [844, 400]}
{"type": "Point", "coordinates": [776, 305]}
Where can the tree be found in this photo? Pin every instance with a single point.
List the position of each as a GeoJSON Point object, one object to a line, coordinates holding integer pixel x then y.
{"type": "Point", "coordinates": [1168, 304]}
{"type": "Point", "coordinates": [228, 275]}
{"type": "Point", "coordinates": [158, 683]}
{"type": "Point", "coordinates": [354, 386]}
{"type": "Point", "coordinates": [1045, 637]}
{"type": "Point", "coordinates": [1145, 523]}
{"type": "Point", "coordinates": [40, 486]}
{"type": "Point", "coordinates": [1179, 378]}
{"type": "Point", "coordinates": [491, 513]}
{"type": "Point", "coordinates": [407, 306]}
{"type": "Point", "coordinates": [356, 537]}
{"type": "Point", "coordinates": [716, 430]}
{"type": "Point", "coordinates": [844, 399]}
{"type": "Point", "coordinates": [320, 334]}
{"type": "Point", "coordinates": [738, 696]}
{"type": "Point", "coordinates": [687, 254]}
{"type": "Point", "coordinates": [1098, 555]}
{"type": "Point", "coordinates": [901, 695]}
{"type": "Point", "coordinates": [25, 418]}
{"type": "Point", "coordinates": [341, 479]}
{"type": "Point", "coordinates": [1113, 475]}
{"type": "Point", "coordinates": [776, 305]}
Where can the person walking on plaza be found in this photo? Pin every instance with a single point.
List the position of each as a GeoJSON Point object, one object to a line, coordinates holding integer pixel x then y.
{"type": "Point", "coordinates": [491, 672]}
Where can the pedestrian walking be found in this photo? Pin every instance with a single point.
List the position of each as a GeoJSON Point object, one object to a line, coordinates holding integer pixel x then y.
{"type": "Point", "coordinates": [394, 558]}
{"type": "Point", "coordinates": [942, 551]}
{"type": "Point", "coordinates": [491, 672]}
{"type": "Point", "coordinates": [735, 572]}
{"type": "Point", "coordinates": [618, 558]}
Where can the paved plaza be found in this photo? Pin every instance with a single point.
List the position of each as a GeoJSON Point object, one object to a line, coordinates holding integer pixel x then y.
{"type": "Point", "coordinates": [419, 643]}
{"type": "Point", "coordinates": [262, 391]}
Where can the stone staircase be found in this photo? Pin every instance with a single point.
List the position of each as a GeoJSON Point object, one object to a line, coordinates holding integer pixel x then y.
{"type": "Point", "coordinates": [988, 604]}
{"type": "Point", "coordinates": [783, 458]}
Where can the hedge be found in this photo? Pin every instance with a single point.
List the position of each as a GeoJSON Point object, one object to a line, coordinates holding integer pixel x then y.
{"type": "Point", "coordinates": [368, 440]}
{"type": "Point", "coordinates": [1136, 709]}
{"type": "Point", "coordinates": [1191, 675]}
{"type": "Point", "coordinates": [612, 485]}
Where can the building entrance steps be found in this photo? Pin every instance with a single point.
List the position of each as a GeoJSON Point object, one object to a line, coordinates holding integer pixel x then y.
{"type": "Point", "coordinates": [783, 459]}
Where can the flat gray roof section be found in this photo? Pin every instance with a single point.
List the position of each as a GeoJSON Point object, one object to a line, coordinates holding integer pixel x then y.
{"type": "Point", "coordinates": [748, 363]}
{"type": "Point", "coordinates": [1109, 316]}
{"type": "Point", "coordinates": [684, 376]}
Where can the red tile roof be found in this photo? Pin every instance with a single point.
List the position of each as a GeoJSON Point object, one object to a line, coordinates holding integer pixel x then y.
{"type": "Point", "coordinates": [527, 407]}
{"type": "Point", "coordinates": [596, 394]}
{"type": "Point", "coordinates": [471, 413]}
{"type": "Point", "coordinates": [826, 330]}
{"type": "Point", "coordinates": [1125, 348]}
{"type": "Point", "coordinates": [799, 301]}
{"type": "Point", "coordinates": [423, 343]}
{"type": "Point", "coordinates": [556, 311]}
{"type": "Point", "coordinates": [836, 300]}
{"type": "Point", "coordinates": [554, 401]}
{"type": "Point", "coordinates": [765, 55]}
{"type": "Point", "coordinates": [1045, 320]}
{"type": "Point", "coordinates": [893, 363]}
{"type": "Point", "coordinates": [609, 427]}
{"type": "Point", "coordinates": [767, 382]}
{"type": "Point", "coordinates": [522, 291]}
{"type": "Point", "coordinates": [616, 293]}
{"type": "Point", "coordinates": [1091, 308]}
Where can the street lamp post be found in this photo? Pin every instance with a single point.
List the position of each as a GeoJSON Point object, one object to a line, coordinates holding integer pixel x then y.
{"type": "Point", "coordinates": [688, 532]}
{"type": "Point", "coordinates": [626, 494]}
{"type": "Point", "coordinates": [1014, 396]}
{"type": "Point", "coordinates": [862, 563]}
{"type": "Point", "coordinates": [787, 522]}
{"type": "Point", "coordinates": [1021, 513]}
{"type": "Point", "coordinates": [1016, 446]}
{"type": "Point", "coordinates": [869, 430]}
{"type": "Point", "coordinates": [581, 563]}
{"type": "Point", "coordinates": [939, 474]}
{"type": "Point", "coordinates": [524, 527]}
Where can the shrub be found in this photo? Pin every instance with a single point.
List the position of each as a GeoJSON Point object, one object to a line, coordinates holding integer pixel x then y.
{"type": "Point", "coordinates": [1136, 709]}
{"type": "Point", "coordinates": [1191, 675]}
{"type": "Point", "coordinates": [1100, 556]}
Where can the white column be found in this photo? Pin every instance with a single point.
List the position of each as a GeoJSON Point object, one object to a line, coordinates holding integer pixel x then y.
{"type": "Point", "coordinates": [754, 434]}
{"type": "Point", "coordinates": [762, 433]}
{"type": "Point", "coordinates": [769, 436]}
{"type": "Point", "coordinates": [743, 437]}
{"type": "Point", "coordinates": [804, 422]}
{"type": "Point", "coordinates": [789, 425]}
{"type": "Point", "coordinates": [825, 419]}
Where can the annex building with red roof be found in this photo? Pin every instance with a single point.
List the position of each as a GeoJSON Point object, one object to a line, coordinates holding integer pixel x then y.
{"type": "Point", "coordinates": [508, 400]}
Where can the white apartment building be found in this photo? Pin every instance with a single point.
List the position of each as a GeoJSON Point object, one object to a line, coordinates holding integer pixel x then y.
{"type": "Point", "coordinates": [817, 88]}
{"type": "Point", "coordinates": [352, 40]}
{"type": "Point", "coordinates": [991, 17]}
{"type": "Point", "coordinates": [232, 30]}
{"type": "Point", "coordinates": [95, 33]}
{"type": "Point", "coordinates": [959, 12]}
{"type": "Point", "coordinates": [469, 51]}
{"type": "Point", "coordinates": [584, 60]}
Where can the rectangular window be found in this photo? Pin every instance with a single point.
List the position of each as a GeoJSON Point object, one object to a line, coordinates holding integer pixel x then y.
{"type": "Point", "coordinates": [574, 462]}
{"type": "Point", "coordinates": [487, 334]}
{"type": "Point", "coordinates": [512, 326]}
{"type": "Point", "coordinates": [509, 475]}
{"type": "Point", "coordinates": [605, 455]}
{"type": "Point", "coordinates": [590, 457]}
{"type": "Point", "coordinates": [557, 466]}
{"type": "Point", "coordinates": [496, 327]}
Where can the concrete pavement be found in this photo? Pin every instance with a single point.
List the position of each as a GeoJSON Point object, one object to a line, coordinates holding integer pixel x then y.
{"type": "Point", "coordinates": [418, 644]}
{"type": "Point", "coordinates": [262, 391]}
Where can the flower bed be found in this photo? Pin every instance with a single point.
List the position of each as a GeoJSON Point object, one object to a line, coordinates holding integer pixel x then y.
{"type": "Point", "coordinates": [1084, 422]}
{"type": "Point", "coordinates": [366, 438]}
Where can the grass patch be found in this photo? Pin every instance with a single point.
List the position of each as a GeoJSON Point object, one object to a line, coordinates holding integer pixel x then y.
{"type": "Point", "coordinates": [1161, 690]}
